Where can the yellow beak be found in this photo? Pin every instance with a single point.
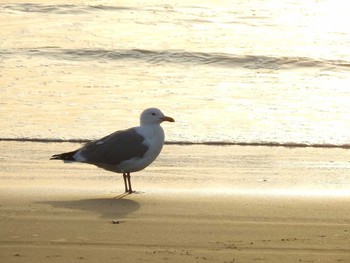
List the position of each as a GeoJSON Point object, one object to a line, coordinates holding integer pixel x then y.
{"type": "Point", "coordinates": [166, 118]}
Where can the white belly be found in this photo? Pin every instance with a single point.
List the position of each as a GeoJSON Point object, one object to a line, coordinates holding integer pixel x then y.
{"type": "Point", "coordinates": [154, 140]}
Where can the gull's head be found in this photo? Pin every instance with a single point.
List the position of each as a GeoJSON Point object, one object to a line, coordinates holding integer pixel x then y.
{"type": "Point", "coordinates": [153, 116]}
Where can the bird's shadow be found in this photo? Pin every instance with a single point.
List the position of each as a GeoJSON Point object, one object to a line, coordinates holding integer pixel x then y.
{"type": "Point", "coordinates": [117, 207]}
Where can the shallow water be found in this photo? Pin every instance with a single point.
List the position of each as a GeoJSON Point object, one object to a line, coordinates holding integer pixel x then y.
{"type": "Point", "coordinates": [251, 72]}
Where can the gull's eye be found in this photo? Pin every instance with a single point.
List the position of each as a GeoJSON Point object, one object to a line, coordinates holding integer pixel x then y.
{"type": "Point", "coordinates": [153, 114]}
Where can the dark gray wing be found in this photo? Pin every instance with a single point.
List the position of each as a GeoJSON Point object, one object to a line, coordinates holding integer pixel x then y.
{"type": "Point", "coordinates": [115, 148]}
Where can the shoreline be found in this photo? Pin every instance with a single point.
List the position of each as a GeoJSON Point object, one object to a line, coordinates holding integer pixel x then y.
{"type": "Point", "coordinates": [190, 143]}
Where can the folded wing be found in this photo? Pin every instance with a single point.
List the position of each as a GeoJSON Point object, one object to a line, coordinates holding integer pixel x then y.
{"type": "Point", "coordinates": [114, 148]}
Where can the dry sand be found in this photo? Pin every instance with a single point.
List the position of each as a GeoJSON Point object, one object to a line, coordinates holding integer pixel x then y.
{"type": "Point", "coordinates": [194, 204]}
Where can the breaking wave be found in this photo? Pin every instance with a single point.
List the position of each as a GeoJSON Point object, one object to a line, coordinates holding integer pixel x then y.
{"type": "Point", "coordinates": [161, 57]}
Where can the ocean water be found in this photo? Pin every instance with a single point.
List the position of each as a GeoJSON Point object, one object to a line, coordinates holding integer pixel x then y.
{"type": "Point", "coordinates": [269, 72]}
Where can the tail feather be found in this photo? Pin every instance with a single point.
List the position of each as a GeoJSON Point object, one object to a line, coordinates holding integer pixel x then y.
{"type": "Point", "coordinates": [64, 156]}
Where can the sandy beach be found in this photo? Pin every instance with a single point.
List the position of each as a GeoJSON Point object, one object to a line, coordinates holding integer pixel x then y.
{"type": "Point", "coordinates": [194, 204]}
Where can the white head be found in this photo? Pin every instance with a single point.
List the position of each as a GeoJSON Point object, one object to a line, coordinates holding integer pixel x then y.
{"type": "Point", "coordinates": [153, 116]}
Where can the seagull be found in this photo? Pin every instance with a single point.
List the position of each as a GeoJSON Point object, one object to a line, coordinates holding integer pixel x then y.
{"type": "Point", "coordinates": [124, 151]}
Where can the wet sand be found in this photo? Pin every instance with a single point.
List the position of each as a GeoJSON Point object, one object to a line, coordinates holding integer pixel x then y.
{"type": "Point", "coordinates": [194, 204]}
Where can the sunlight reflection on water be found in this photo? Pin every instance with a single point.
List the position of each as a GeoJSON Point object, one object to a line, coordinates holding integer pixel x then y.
{"type": "Point", "coordinates": [252, 72]}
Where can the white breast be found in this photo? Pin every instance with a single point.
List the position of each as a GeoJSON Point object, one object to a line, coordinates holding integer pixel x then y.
{"type": "Point", "coordinates": [154, 140]}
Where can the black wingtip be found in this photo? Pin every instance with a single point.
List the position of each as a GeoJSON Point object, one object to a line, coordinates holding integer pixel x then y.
{"type": "Point", "coordinates": [54, 157]}
{"type": "Point", "coordinates": [64, 156]}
